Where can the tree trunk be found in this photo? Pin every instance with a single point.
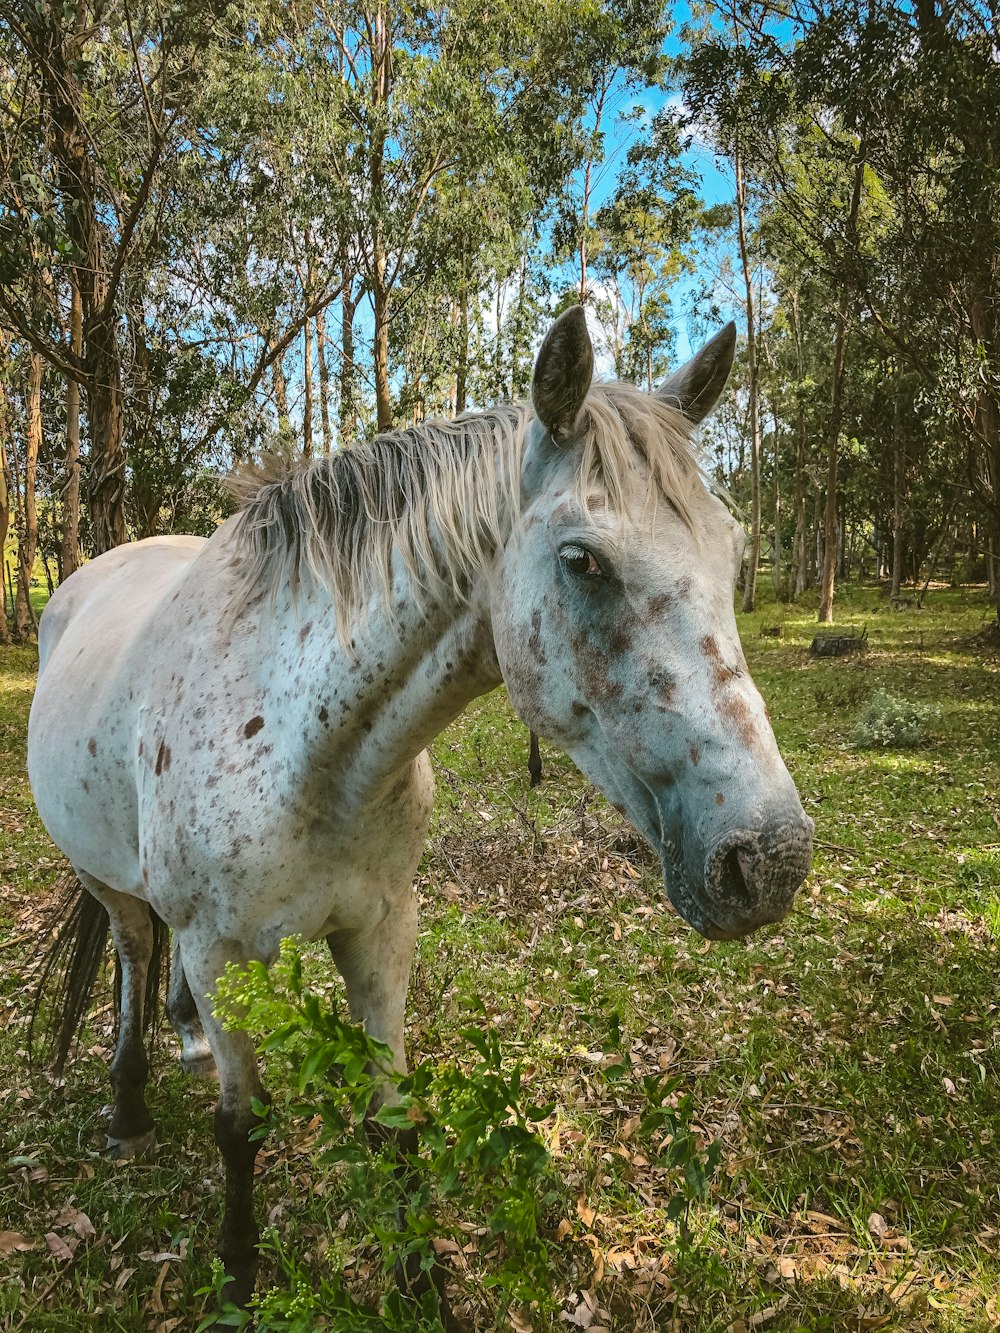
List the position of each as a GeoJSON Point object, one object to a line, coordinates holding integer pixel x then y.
{"type": "Point", "coordinates": [348, 416]}
{"type": "Point", "coordinates": [5, 488]}
{"type": "Point", "coordinates": [800, 553]}
{"type": "Point", "coordinates": [105, 482]}
{"type": "Point", "coordinates": [381, 75]}
{"type": "Point", "coordinates": [750, 585]}
{"type": "Point", "coordinates": [462, 369]}
{"type": "Point", "coordinates": [106, 474]}
{"type": "Point", "coordinates": [778, 561]}
{"type": "Point", "coordinates": [380, 350]}
{"type": "Point", "coordinates": [324, 384]}
{"type": "Point", "coordinates": [584, 224]}
{"type": "Point", "coordinates": [280, 396]}
{"type": "Point", "coordinates": [898, 475]}
{"type": "Point", "coordinates": [518, 386]}
{"type": "Point", "coordinates": [986, 425]}
{"type": "Point", "coordinates": [28, 536]}
{"type": "Point", "coordinates": [836, 411]}
{"type": "Point", "coordinates": [69, 550]}
{"type": "Point", "coordinates": [307, 398]}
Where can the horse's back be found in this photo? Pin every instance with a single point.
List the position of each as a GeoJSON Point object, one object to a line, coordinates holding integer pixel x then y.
{"type": "Point", "coordinates": [121, 584]}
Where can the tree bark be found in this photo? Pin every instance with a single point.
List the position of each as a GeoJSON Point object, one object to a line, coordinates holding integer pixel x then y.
{"type": "Point", "coordinates": [27, 544]}
{"type": "Point", "coordinates": [800, 555]}
{"type": "Point", "coordinates": [5, 486]}
{"type": "Point", "coordinates": [825, 616]}
{"type": "Point", "coordinates": [307, 397]}
{"type": "Point", "coordinates": [280, 397]}
{"type": "Point", "coordinates": [750, 584]}
{"type": "Point", "coordinates": [584, 224]}
{"type": "Point", "coordinates": [381, 76]}
{"type": "Point", "coordinates": [778, 560]}
{"type": "Point", "coordinates": [986, 425]}
{"type": "Point", "coordinates": [348, 415]}
{"type": "Point", "coordinates": [105, 481]}
{"type": "Point", "coordinates": [324, 384]}
{"type": "Point", "coordinates": [69, 551]}
{"type": "Point", "coordinates": [898, 476]}
{"type": "Point", "coordinates": [380, 348]}
{"type": "Point", "coordinates": [462, 368]}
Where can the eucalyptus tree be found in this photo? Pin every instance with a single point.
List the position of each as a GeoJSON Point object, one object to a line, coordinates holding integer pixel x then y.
{"type": "Point", "coordinates": [101, 109]}
{"type": "Point", "coordinates": [726, 86]}
{"type": "Point", "coordinates": [619, 52]}
{"type": "Point", "coordinates": [439, 103]}
{"type": "Point", "coordinates": [646, 228]}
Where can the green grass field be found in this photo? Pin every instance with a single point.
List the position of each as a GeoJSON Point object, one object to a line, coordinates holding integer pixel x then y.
{"type": "Point", "coordinates": [848, 1063]}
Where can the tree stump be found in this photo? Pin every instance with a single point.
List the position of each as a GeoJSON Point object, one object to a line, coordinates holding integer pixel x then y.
{"type": "Point", "coordinates": [839, 645]}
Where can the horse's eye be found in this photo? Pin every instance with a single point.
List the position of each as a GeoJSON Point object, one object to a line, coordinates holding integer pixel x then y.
{"type": "Point", "coordinates": [579, 561]}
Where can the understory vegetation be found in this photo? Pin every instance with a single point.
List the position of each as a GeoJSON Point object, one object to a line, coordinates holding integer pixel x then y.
{"type": "Point", "coordinates": [794, 1132]}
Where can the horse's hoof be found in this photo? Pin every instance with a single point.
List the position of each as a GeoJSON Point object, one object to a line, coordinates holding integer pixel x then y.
{"type": "Point", "coordinates": [137, 1148]}
{"type": "Point", "coordinates": [200, 1066]}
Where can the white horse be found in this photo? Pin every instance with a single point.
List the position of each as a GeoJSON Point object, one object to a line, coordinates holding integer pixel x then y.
{"type": "Point", "coordinates": [229, 735]}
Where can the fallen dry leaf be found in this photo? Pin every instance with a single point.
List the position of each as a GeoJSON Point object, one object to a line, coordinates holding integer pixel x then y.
{"type": "Point", "coordinates": [59, 1247]}
{"type": "Point", "coordinates": [11, 1241]}
{"type": "Point", "coordinates": [878, 1226]}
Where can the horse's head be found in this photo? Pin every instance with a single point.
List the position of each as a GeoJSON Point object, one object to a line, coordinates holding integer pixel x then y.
{"type": "Point", "coordinates": [614, 626]}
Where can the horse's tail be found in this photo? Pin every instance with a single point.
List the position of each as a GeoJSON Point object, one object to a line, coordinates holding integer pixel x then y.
{"type": "Point", "coordinates": [70, 967]}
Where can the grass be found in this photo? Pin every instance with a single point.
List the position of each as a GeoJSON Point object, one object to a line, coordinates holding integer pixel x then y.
{"type": "Point", "coordinates": [848, 1062]}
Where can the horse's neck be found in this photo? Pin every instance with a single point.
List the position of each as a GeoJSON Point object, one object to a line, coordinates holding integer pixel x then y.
{"type": "Point", "coordinates": [368, 713]}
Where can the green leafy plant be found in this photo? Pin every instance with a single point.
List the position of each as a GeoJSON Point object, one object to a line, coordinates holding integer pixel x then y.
{"type": "Point", "coordinates": [471, 1149]}
{"type": "Point", "coordinates": [891, 723]}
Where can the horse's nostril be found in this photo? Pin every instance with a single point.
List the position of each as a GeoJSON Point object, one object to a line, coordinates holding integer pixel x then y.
{"type": "Point", "coordinates": [734, 879]}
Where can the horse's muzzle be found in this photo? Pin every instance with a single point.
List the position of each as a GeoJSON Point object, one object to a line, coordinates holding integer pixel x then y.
{"type": "Point", "coordinates": [751, 878]}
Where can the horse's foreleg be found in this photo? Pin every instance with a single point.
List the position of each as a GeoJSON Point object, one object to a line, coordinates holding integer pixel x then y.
{"type": "Point", "coordinates": [131, 1132]}
{"type": "Point", "coordinates": [239, 1082]}
{"type": "Point", "coordinates": [196, 1053]}
{"type": "Point", "coordinates": [375, 965]}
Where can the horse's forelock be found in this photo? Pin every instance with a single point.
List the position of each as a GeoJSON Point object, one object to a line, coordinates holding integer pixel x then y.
{"type": "Point", "coordinates": [619, 422]}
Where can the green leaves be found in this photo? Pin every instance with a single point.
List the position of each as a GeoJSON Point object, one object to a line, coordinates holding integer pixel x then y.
{"type": "Point", "coordinates": [475, 1143]}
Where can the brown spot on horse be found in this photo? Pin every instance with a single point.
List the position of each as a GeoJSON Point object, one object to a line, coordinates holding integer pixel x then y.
{"type": "Point", "coordinates": [162, 758]}
{"type": "Point", "coordinates": [253, 726]}
{"type": "Point", "coordinates": [734, 707]}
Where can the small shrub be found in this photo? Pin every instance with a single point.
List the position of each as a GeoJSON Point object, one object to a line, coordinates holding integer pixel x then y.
{"type": "Point", "coordinates": [890, 723]}
{"type": "Point", "coordinates": [476, 1154]}
{"type": "Point", "coordinates": [476, 1157]}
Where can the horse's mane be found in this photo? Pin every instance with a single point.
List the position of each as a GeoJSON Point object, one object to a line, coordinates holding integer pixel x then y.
{"type": "Point", "coordinates": [444, 495]}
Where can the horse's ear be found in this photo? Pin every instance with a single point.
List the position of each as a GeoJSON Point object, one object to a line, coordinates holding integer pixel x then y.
{"type": "Point", "coordinates": [697, 386]}
{"type": "Point", "coordinates": [563, 373]}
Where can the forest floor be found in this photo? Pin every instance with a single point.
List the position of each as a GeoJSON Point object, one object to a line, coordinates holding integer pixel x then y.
{"type": "Point", "coordinates": [847, 1062]}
